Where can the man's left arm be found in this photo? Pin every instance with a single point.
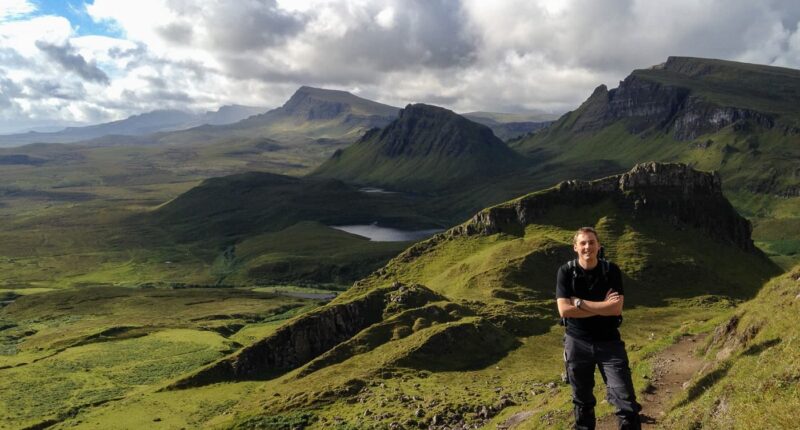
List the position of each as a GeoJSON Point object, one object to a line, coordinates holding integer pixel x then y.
{"type": "Point", "coordinates": [615, 299]}
{"type": "Point", "coordinates": [611, 306]}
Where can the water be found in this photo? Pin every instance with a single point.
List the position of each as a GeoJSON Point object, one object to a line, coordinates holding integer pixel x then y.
{"type": "Point", "coordinates": [375, 190]}
{"type": "Point", "coordinates": [385, 234]}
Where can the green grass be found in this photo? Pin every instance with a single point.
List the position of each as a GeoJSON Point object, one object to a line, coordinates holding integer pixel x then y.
{"type": "Point", "coordinates": [65, 351]}
{"type": "Point", "coordinates": [754, 383]}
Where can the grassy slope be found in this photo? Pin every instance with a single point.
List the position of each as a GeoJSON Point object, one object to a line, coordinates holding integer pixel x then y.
{"type": "Point", "coordinates": [63, 351]}
{"type": "Point", "coordinates": [427, 149]}
{"type": "Point", "coordinates": [504, 279]}
{"type": "Point", "coordinates": [753, 379]}
{"type": "Point", "coordinates": [668, 289]}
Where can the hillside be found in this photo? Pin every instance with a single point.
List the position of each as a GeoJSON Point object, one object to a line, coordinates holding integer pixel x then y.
{"type": "Point", "coordinates": [740, 119]}
{"type": "Point", "coordinates": [751, 379]}
{"type": "Point", "coordinates": [427, 148]}
{"type": "Point", "coordinates": [470, 308]}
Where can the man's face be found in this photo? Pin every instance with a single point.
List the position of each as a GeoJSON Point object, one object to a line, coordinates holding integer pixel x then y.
{"type": "Point", "coordinates": [586, 246]}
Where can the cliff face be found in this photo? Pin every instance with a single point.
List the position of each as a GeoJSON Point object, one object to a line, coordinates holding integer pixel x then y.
{"type": "Point", "coordinates": [673, 192]}
{"type": "Point", "coordinates": [674, 103]}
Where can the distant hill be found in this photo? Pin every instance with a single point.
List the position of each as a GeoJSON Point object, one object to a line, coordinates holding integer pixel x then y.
{"type": "Point", "coordinates": [427, 148]}
{"type": "Point", "coordinates": [311, 115]}
{"type": "Point", "coordinates": [740, 119]}
{"type": "Point", "coordinates": [509, 126]}
{"type": "Point", "coordinates": [136, 125]}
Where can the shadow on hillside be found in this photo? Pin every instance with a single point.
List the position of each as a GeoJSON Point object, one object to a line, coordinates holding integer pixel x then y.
{"type": "Point", "coordinates": [705, 383]}
{"type": "Point", "coordinates": [761, 347]}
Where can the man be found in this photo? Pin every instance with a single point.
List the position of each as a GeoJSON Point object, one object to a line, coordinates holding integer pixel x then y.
{"type": "Point", "coordinates": [589, 296]}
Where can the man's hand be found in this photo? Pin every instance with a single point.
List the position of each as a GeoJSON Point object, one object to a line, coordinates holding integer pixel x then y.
{"type": "Point", "coordinates": [612, 296]}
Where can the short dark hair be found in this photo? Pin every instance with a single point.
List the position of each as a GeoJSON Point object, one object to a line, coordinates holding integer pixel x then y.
{"type": "Point", "coordinates": [585, 230]}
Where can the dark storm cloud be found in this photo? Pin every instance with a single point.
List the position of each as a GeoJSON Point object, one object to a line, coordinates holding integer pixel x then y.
{"type": "Point", "coordinates": [419, 35]}
{"type": "Point", "coordinates": [424, 32]}
{"type": "Point", "coordinates": [245, 27]}
{"type": "Point", "coordinates": [65, 56]}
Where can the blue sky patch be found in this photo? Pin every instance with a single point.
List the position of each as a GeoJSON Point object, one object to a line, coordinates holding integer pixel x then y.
{"type": "Point", "coordinates": [75, 12]}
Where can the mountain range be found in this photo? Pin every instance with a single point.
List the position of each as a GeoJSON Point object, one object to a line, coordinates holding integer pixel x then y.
{"type": "Point", "coordinates": [193, 310]}
{"type": "Point", "coordinates": [137, 125]}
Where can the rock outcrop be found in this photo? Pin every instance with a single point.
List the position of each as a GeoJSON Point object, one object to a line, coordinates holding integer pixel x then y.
{"type": "Point", "coordinates": [674, 192]}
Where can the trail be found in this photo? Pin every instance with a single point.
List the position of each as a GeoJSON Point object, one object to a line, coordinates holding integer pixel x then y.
{"type": "Point", "coordinates": [672, 368]}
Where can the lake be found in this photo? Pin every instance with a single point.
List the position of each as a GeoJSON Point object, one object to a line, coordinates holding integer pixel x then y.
{"type": "Point", "coordinates": [386, 234]}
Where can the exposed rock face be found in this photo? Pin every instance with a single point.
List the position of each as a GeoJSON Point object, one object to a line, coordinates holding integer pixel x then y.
{"type": "Point", "coordinates": [646, 103]}
{"type": "Point", "coordinates": [697, 117]}
{"type": "Point", "coordinates": [307, 337]}
{"type": "Point", "coordinates": [674, 192]}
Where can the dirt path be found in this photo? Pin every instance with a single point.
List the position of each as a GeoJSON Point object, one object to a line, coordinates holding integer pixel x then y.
{"type": "Point", "coordinates": [672, 368]}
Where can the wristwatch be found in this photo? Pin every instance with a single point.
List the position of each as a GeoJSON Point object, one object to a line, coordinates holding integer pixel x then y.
{"type": "Point", "coordinates": [578, 303]}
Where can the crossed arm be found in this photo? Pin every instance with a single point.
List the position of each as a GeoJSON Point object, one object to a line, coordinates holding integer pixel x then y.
{"type": "Point", "coordinates": [611, 306]}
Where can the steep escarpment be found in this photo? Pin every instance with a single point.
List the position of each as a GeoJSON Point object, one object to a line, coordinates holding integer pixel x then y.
{"type": "Point", "coordinates": [427, 148]}
{"type": "Point", "coordinates": [648, 99]}
{"type": "Point", "coordinates": [305, 338]}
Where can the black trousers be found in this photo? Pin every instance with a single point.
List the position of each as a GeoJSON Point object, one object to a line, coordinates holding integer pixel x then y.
{"type": "Point", "coordinates": [610, 357]}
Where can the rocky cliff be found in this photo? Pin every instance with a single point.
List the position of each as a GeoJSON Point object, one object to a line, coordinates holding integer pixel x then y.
{"type": "Point", "coordinates": [684, 96]}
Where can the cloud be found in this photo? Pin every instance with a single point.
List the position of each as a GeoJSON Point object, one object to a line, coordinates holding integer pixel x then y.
{"type": "Point", "coordinates": [65, 56]}
{"type": "Point", "coordinates": [38, 89]}
{"type": "Point", "coordinates": [15, 9]}
{"type": "Point", "coordinates": [513, 55]}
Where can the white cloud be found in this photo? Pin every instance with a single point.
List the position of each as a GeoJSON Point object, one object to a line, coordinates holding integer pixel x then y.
{"type": "Point", "coordinates": [14, 9]}
{"type": "Point", "coordinates": [463, 54]}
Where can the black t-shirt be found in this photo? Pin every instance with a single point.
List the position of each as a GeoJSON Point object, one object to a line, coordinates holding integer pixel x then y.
{"type": "Point", "coordinates": [590, 285]}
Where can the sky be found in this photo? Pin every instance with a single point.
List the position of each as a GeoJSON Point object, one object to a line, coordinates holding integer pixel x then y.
{"type": "Point", "coordinates": [79, 62]}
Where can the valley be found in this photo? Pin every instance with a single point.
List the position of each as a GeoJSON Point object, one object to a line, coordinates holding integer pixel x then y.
{"type": "Point", "coordinates": [341, 263]}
